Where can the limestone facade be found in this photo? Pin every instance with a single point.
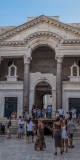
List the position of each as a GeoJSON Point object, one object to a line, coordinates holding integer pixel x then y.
{"type": "Point", "coordinates": [43, 50]}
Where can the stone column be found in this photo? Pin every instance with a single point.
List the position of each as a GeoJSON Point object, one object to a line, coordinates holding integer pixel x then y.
{"type": "Point", "coordinates": [53, 103]}
{"type": "Point", "coordinates": [27, 59]}
{"type": "Point", "coordinates": [59, 82]}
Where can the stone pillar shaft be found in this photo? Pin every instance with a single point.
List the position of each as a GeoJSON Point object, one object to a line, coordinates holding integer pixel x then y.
{"type": "Point", "coordinates": [59, 83]}
{"type": "Point", "coordinates": [26, 82]}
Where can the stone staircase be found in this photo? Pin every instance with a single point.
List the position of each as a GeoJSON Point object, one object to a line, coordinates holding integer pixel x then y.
{"type": "Point", "coordinates": [14, 125]}
{"type": "Point", "coordinates": [77, 132]}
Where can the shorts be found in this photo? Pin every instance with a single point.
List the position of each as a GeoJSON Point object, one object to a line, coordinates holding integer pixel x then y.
{"type": "Point", "coordinates": [61, 116]}
{"type": "Point", "coordinates": [73, 116]}
{"type": "Point", "coordinates": [9, 130]}
{"type": "Point", "coordinates": [49, 114]}
{"type": "Point", "coordinates": [71, 135]}
{"type": "Point", "coordinates": [30, 133]}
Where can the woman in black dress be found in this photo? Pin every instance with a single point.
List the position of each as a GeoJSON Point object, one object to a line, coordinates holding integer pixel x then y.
{"type": "Point", "coordinates": [57, 135]}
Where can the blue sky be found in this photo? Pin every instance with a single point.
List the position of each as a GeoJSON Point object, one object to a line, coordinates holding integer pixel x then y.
{"type": "Point", "coordinates": [15, 12]}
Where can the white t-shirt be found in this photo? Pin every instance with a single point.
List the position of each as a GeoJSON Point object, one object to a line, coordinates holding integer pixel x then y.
{"type": "Point", "coordinates": [67, 116]}
{"type": "Point", "coordinates": [61, 111]}
{"type": "Point", "coordinates": [19, 121]}
{"type": "Point", "coordinates": [73, 113]}
{"type": "Point", "coordinates": [30, 126]}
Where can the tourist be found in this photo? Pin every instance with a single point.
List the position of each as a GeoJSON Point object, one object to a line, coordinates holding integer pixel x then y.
{"type": "Point", "coordinates": [38, 113]}
{"type": "Point", "coordinates": [14, 115]}
{"type": "Point", "coordinates": [73, 113]}
{"type": "Point", "coordinates": [40, 141]}
{"type": "Point", "coordinates": [67, 115]}
{"type": "Point", "coordinates": [71, 128]}
{"type": "Point", "coordinates": [21, 128]}
{"type": "Point", "coordinates": [79, 119]}
{"type": "Point", "coordinates": [34, 111]}
{"type": "Point", "coordinates": [64, 129]}
{"type": "Point", "coordinates": [30, 127]}
{"type": "Point", "coordinates": [46, 110]}
{"type": "Point", "coordinates": [61, 112]}
{"type": "Point", "coordinates": [49, 108]}
{"type": "Point", "coordinates": [8, 128]}
{"type": "Point", "coordinates": [43, 112]}
{"type": "Point", "coordinates": [57, 135]}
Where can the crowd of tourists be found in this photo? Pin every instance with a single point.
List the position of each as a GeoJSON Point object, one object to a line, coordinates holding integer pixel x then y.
{"type": "Point", "coordinates": [37, 112]}
{"type": "Point", "coordinates": [63, 129]}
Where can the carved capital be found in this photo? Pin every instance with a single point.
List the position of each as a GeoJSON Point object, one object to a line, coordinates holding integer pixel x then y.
{"type": "Point", "coordinates": [27, 59]}
{"type": "Point", "coordinates": [59, 58]}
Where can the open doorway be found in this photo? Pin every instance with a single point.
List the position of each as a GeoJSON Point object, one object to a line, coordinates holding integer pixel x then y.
{"type": "Point", "coordinates": [43, 94]}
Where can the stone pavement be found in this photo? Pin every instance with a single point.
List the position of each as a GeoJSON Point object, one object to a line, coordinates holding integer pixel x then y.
{"type": "Point", "coordinates": [19, 149]}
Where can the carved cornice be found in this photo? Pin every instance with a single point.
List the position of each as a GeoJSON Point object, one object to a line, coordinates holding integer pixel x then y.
{"type": "Point", "coordinates": [30, 37]}
{"type": "Point", "coordinates": [37, 35]}
{"type": "Point", "coordinates": [44, 33]}
{"type": "Point", "coordinates": [13, 43]}
{"type": "Point", "coordinates": [71, 41]}
{"type": "Point", "coordinates": [36, 21]}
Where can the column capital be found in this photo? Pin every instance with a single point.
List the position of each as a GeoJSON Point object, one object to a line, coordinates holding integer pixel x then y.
{"type": "Point", "coordinates": [27, 58]}
{"type": "Point", "coordinates": [59, 58]}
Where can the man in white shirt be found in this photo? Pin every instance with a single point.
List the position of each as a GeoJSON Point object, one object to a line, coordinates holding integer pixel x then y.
{"type": "Point", "coordinates": [73, 111]}
{"type": "Point", "coordinates": [30, 127]}
{"type": "Point", "coordinates": [61, 112]}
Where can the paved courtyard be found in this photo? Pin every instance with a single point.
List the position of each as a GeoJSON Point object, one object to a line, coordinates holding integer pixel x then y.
{"type": "Point", "coordinates": [19, 149]}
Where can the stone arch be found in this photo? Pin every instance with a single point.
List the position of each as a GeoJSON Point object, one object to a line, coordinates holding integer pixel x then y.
{"type": "Point", "coordinates": [45, 38]}
{"type": "Point", "coordinates": [41, 80]}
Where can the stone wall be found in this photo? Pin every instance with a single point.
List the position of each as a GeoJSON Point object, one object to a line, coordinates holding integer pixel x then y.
{"type": "Point", "coordinates": [43, 60]}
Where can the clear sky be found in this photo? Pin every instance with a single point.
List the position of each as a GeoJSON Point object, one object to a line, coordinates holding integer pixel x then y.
{"type": "Point", "coordinates": [15, 12]}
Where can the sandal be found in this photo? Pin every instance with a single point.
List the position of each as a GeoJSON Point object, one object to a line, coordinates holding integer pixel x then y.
{"type": "Point", "coordinates": [55, 153]}
{"type": "Point", "coordinates": [66, 151]}
{"type": "Point", "coordinates": [61, 152]}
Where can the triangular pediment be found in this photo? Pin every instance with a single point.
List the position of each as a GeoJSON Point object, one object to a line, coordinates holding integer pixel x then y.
{"type": "Point", "coordinates": [40, 21]}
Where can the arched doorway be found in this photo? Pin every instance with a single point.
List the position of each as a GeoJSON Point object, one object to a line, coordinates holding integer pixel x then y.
{"type": "Point", "coordinates": [42, 89]}
{"type": "Point", "coordinates": [42, 76]}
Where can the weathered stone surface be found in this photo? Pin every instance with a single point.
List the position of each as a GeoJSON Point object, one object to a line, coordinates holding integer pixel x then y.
{"type": "Point", "coordinates": [15, 149]}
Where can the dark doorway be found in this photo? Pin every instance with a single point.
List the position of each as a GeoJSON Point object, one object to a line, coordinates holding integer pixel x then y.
{"type": "Point", "coordinates": [10, 106]}
{"type": "Point", "coordinates": [75, 103]}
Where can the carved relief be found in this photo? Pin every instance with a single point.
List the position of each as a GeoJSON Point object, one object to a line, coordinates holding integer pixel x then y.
{"type": "Point", "coordinates": [59, 58]}
{"type": "Point", "coordinates": [27, 58]}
